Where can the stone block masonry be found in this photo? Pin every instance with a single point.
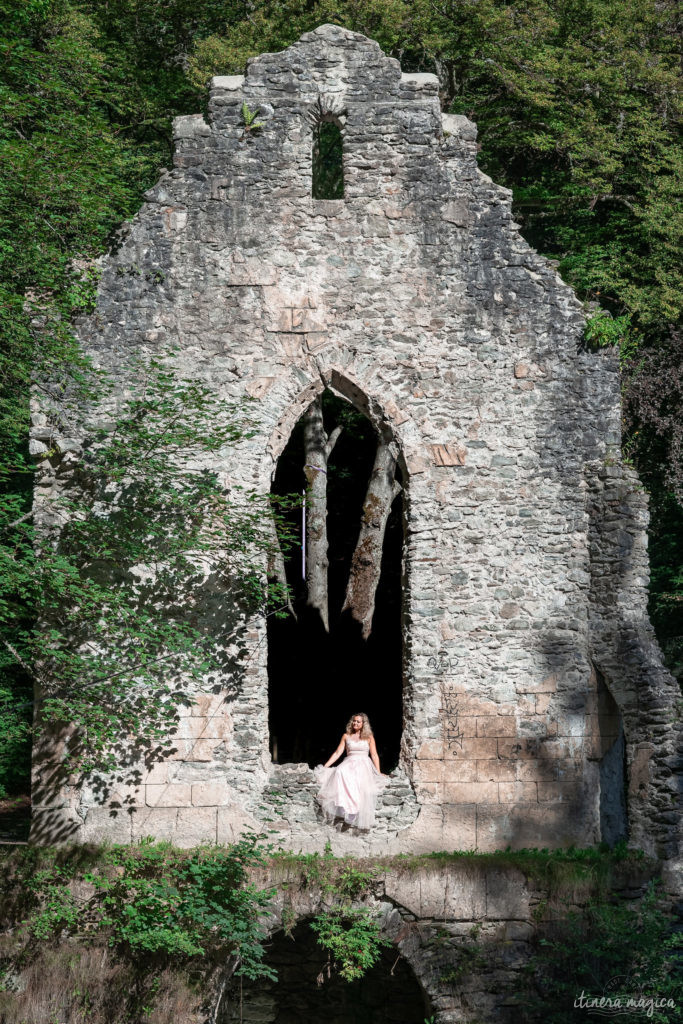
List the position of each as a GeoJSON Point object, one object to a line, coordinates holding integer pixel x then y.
{"type": "Point", "coordinates": [416, 298]}
{"type": "Point", "coordinates": [467, 926]}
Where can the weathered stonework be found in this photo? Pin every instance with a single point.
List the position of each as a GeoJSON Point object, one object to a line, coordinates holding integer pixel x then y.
{"type": "Point", "coordinates": [466, 930]}
{"type": "Point", "coordinates": [417, 299]}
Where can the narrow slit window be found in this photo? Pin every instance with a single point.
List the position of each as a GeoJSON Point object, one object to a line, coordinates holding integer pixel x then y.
{"type": "Point", "coordinates": [328, 168]}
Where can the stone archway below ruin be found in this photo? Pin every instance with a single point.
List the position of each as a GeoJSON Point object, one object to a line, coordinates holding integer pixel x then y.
{"type": "Point", "coordinates": [307, 989]}
{"type": "Point", "coordinates": [460, 933]}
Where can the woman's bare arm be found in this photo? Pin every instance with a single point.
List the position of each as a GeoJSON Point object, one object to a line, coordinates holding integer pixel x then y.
{"type": "Point", "coordinates": [373, 753]}
{"type": "Point", "coordinates": [338, 752]}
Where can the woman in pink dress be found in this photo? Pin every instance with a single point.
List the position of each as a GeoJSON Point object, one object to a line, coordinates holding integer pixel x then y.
{"type": "Point", "coordinates": [350, 791]}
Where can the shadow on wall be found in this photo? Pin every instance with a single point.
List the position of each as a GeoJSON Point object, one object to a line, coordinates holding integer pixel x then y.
{"type": "Point", "coordinates": [626, 651]}
{"type": "Point", "coordinates": [581, 767]}
{"type": "Point", "coordinates": [218, 612]}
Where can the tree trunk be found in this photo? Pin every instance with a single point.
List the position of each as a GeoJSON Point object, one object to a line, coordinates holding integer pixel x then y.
{"type": "Point", "coordinates": [277, 571]}
{"type": "Point", "coordinates": [366, 563]}
{"type": "Point", "coordinates": [317, 450]}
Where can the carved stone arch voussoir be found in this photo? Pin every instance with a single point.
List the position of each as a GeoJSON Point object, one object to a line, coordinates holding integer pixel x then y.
{"type": "Point", "coordinates": [385, 417]}
{"type": "Point", "coordinates": [327, 107]}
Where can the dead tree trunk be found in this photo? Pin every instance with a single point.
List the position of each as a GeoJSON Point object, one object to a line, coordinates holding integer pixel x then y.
{"type": "Point", "coordinates": [317, 450]}
{"type": "Point", "coordinates": [277, 571]}
{"type": "Point", "coordinates": [366, 563]}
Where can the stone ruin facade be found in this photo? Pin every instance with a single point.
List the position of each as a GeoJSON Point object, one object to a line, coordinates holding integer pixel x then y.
{"type": "Point", "coordinates": [537, 711]}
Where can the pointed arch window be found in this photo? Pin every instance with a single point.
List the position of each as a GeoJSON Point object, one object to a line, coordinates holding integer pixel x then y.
{"type": "Point", "coordinates": [328, 163]}
{"type": "Point", "coordinates": [343, 646]}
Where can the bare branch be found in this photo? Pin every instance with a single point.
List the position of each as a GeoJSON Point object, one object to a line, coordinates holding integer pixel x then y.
{"type": "Point", "coordinates": [20, 520]}
{"type": "Point", "coordinates": [17, 657]}
{"type": "Point", "coordinates": [332, 440]}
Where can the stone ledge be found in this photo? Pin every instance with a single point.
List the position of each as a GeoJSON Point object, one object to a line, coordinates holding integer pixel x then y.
{"type": "Point", "coordinates": [227, 83]}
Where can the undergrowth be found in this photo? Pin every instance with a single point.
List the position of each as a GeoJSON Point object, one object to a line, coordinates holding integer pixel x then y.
{"type": "Point", "coordinates": [163, 924]}
{"type": "Point", "coordinates": [124, 934]}
{"type": "Point", "coordinates": [350, 934]}
{"type": "Point", "coordinates": [610, 958]}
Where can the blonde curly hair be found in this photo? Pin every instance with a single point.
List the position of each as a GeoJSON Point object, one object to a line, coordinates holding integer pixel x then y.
{"type": "Point", "coordinates": [366, 728]}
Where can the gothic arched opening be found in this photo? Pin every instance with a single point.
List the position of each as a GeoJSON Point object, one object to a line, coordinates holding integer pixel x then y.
{"type": "Point", "coordinates": [388, 993]}
{"type": "Point", "coordinates": [318, 677]}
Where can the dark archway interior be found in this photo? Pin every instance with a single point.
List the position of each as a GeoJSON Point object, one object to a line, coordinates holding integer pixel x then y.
{"type": "Point", "coordinates": [387, 994]}
{"type": "Point", "coordinates": [317, 680]}
{"type": "Point", "coordinates": [613, 810]}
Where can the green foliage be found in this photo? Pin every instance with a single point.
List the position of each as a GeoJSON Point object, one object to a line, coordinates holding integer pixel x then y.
{"type": "Point", "coordinates": [88, 94]}
{"type": "Point", "coordinates": [350, 934]}
{"type": "Point", "coordinates": [127, 933]}
{"type": "Point", "coordinates": [352, 938]}
{"type": "Point", "coordinates": [115, 594]}
{"type": "Point", "coordinates": [70, 176]}
{"type": "Point", "coordinates": [154, 900]}
{"type": "Point", "coordinates": [666, 591]}
{"type": "Point", "coordinates": [604, 330]}
{"type": "Point", "coordinates": [609, 949]}
{"type": "Point", "coordinates": [59, 910]}
{"type": "Point", "coordinates": [340, 878]}
{"type": "Point", "coordinates": [249, 120]}
{"type": "Point", "coordinates": [16, 702]}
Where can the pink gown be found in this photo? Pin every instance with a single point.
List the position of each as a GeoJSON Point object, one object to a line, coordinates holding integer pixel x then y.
{"type": "Point", "coordinates": [350, 790]}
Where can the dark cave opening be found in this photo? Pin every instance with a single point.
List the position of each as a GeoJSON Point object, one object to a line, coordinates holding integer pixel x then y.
{"type": "Point", "coordinates": [317, 680]}
{"type": "Point", "coordinates": [388, 993]}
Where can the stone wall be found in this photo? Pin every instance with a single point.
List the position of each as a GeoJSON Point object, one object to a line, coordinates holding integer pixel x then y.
{"type": "Point", "coordinates": [466, 931]}
{"type": "Point", "coordinates": [415, 298]}
{"type": "Point", "coordinates": [460, 933]}
{"type": "Point", "coordinates": [625, 651]}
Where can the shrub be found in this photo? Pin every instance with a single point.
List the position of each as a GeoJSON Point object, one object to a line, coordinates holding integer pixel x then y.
{"type": "Point", "coordinates": [610, 950]}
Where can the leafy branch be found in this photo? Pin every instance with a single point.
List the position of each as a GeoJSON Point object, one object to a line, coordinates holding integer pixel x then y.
{"type": "Point", "coordinates": [152, 900]}
{"type": "Point", "coordinates": [349, 932]}
{"type": "Point", "coordinates": [151, 573]}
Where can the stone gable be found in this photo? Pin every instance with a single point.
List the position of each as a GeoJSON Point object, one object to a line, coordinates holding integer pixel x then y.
{"type": "Point", "coordinates": [417, 299]}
